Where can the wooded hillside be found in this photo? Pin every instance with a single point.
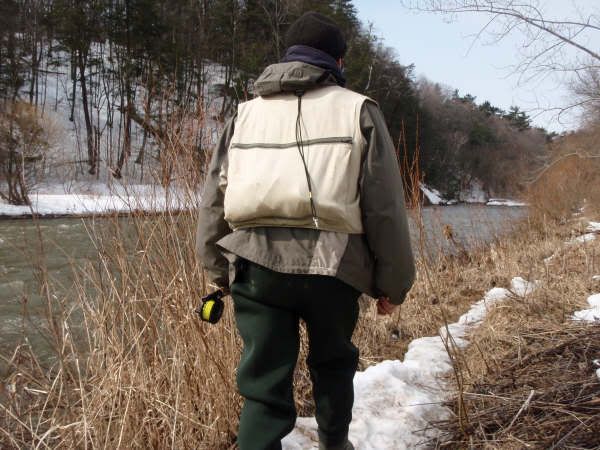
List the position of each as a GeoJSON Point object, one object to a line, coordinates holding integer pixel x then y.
{"type": "Point", "coordinates": [145, 80]}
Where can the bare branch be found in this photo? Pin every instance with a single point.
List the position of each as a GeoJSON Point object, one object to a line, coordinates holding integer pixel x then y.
{"type": "Point", "coordinates": [515, 11]}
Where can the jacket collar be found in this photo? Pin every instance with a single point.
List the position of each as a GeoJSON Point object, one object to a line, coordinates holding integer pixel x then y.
{"type": "Point", "coordinates": [316, 57]}
{"type": "Point", "coordinates": [291, 77]}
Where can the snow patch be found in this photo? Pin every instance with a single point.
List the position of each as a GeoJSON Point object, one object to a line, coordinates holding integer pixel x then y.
{"type": "Point", "coordinates": [474, 193]}
{"type": "Point", "coordinates": [123, 199]}
{"type": "Point", "coordinates": [592, 314]}
{"type": "Point", "coordinates": [396, 402]}
{"type": "Point", "coordinates": [596, 278]}
{"type": "Point", "coordinates": [522, 287]}
{"type": "Point", "coordinates": [588, 237]}
{"type": "Point", "coordinates": [593, 227]}
{"type": "Point", "coordinates": [433, 195]}
{"type": "Point", "coordinates": [504, 202]}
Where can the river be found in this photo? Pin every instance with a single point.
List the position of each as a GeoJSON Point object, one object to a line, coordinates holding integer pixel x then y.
{"type": "Point", "coordinates": [67, 244]}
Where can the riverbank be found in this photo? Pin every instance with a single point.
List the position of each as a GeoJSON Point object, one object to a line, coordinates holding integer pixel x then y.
{"type": "Point", "coordinates": [79, 200]}
{"type": "Point", "coordinates": [97, 199]}
{"type": "Point", "coordinates": [531, 376]}
{"type": "Point", "coordinates": [474, 195]}
{"type": "Point", "coordinates": [145, 353]}
{"type": "Point", "coordinates": [61, 206]}
{"type": "Point", "coordinates": [403, 403]}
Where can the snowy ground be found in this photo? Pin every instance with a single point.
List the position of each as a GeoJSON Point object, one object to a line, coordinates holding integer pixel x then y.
{"type": "Point", "coordinates": [474, 194]}
{"type": "Point", "coordinates": [80, 198]}
{"type": "Point", "coordinates": [398, 402]}
{"type": "Point", "coordinates": [593, 227]}
{"type": "Point", "coordinates": [92, 199]}
{"type": "Point", "coordinates": [591, 314]}
{"type": "Point", "coordinates": [433, 195]}
{"type": "Point", "coordinates": [504, 202]}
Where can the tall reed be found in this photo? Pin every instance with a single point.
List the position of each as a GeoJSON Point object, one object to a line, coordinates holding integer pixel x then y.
{"type": "Point", "coordinates": [133, 367]}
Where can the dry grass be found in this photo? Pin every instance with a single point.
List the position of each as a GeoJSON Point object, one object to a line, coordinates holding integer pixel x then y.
{"type": "Point", "coordinates": [527, 380]}
{"type": "Point", "coordinates": [543, 395]}
{"type": "Point", "coordinates": [134, 368]}
{"type": "Point", "coordinates": [567, 183]}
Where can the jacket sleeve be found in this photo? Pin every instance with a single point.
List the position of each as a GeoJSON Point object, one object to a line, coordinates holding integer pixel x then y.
{"type": "Point", "coordinates": [211, 221]}
{"type": "Point", "coordinates": [383, 209]}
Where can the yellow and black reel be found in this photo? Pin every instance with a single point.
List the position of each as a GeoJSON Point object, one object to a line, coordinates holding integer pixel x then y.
{"type": "Point", "coordinates": [211, 308]}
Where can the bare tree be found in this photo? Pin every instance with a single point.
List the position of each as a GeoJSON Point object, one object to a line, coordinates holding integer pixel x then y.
{"type": "Point", "coordinates": [550, 45]}
{"type": "Point", "coordinates": [586, 88]}
{"type": "Point", "coordinates": [277, 13]}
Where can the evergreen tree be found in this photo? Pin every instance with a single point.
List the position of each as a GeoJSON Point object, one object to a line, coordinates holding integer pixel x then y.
{"type": "Point", "coordinates": [518, 118]}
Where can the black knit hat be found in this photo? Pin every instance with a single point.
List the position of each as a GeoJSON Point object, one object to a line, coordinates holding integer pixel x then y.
{"type": "Point", "coordinates": [317, 31]}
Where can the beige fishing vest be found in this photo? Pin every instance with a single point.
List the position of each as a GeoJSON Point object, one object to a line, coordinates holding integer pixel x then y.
{"type": "Point", "coordinates": [265, 182]}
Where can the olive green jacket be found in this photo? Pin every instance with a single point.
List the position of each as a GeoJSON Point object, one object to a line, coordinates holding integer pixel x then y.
{"type": "Point", "coordinates": [378, 262]}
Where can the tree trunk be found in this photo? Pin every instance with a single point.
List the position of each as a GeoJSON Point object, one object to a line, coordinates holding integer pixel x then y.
{"type": "Point", "coordinates": [126, 69]}
{"type": "Point", "coordinates": [74, 85]}
{"type": "Point", "coordinates": [89, 129]}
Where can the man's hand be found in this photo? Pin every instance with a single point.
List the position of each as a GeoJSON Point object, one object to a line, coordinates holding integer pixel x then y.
{"type": "Point", "coordinates": [216, 287]}
{"type": "Point", "coordinates": [384, 306]}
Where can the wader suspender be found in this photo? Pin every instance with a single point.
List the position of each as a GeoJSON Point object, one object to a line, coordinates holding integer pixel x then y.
{"type": "Point", "coordinates": [300, 144]}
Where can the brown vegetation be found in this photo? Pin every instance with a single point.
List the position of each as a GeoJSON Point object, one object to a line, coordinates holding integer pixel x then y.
{"type": "Point", "coordinates": [528, 379]}
{"type": "Point", "coordinates": [144, 372]}
{"type": "Point", "coordinates": [544, 394]}
{"type": "Point", "coordinates": [571, 181]}
{"type": "Point", "coordinates": [133, 367]}
{"type": "Point", "coordinates": [25, 137]}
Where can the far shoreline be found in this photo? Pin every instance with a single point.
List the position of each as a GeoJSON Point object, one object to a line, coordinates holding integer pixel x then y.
{"type": "Point", "coordinates": [152, 213]}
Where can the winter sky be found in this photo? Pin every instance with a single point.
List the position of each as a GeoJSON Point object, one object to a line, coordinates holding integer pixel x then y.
{"type": "Point", "coordinates": [445, 50]}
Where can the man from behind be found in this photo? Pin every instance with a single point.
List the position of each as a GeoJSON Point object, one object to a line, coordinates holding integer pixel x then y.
{"type": "Point", "coordinates": [302, 211]}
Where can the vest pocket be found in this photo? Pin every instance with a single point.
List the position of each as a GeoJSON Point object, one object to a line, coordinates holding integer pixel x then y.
{"type": "Point", "coordinates": [267, 181]}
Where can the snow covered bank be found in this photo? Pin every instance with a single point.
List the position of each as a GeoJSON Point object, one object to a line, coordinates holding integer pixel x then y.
{"type": "Point", "coordinates": [396, 402]}
{"type": "Point", "coordinates": [98, 199]}
{"type": "Point", "coordinates": [433, 195]}
{"type": "Point", "coordinates": [473, 195]}
{"type": "Point", "coordinates": [591, 314]}
{"type": "Point", "coordinates": [587, 237]}
{"type": "Point", "coordinates": [505, 202]}
{"type": "Point", "coordinates": [592, 229]}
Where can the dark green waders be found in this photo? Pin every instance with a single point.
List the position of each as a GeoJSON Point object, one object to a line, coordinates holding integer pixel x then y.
{"type": "Point", "coordinates": [268, 306]}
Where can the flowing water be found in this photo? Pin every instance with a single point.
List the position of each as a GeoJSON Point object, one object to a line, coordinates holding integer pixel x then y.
{"type": "Point", "coordinates": [67, 244]}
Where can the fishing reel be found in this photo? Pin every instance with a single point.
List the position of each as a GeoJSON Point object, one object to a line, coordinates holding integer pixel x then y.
{"type": "Point", "coordinates": [211, 308]}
